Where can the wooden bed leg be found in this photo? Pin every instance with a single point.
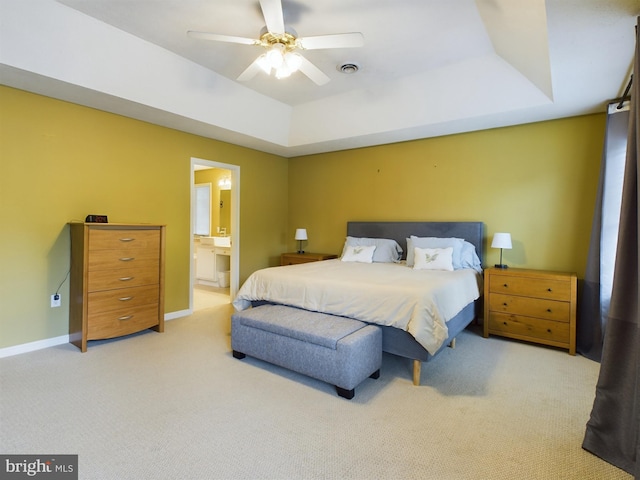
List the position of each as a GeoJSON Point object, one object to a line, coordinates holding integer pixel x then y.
{"type": "Point", "coordinates": [452, 344]}
{"type": "Point", "coordinates": [417, 365]}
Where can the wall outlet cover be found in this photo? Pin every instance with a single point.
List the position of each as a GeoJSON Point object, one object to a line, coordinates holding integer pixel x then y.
{"type": "Point", "coordinates": [55, 300]}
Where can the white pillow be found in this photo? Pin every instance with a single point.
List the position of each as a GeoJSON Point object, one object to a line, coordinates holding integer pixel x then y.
{"type": "Point", "coordinates": [387, 250]}
{"type": "Point", "coordinates": [469, 257]}
{"type": "Point", "coordinates": [433, 258]}
{"type": "Point", "coordinates": [435, 242]}
{"type": "Point", "coordinates": [358, 253]}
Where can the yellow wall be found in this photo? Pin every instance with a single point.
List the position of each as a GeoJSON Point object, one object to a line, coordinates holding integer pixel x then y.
{"type": "Point", "coordinates": [60, 162]}
{"type": "Point", "coordinates": [536, 181]}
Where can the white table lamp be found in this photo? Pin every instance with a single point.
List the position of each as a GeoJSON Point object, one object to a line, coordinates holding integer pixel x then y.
{"type": "Point", "coordinates": [501, 240]}
{"type": "Point", "coordinates": [301, 234]}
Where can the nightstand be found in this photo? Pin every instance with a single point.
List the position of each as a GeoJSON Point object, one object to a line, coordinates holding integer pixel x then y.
{"type": "Point", "coordinates": [532, 305]}
{"type": "Point", "coordinates": [295, 258]}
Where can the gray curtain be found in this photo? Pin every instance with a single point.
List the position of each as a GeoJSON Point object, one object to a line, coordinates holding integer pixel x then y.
{"type": "Point", "coordinates": [598, 279]}
{"type": "Point", "coordinates": [613, 431]}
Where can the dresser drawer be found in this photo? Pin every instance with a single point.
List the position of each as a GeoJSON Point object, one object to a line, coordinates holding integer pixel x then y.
{"type": "Point", "coordinates": [122, 322]}
{"type": "Point", "coordinates": [125, 258]}
{"type": "Point", "coordinates": [112, 239]}
{"type": "Point", "coordinates": [549, 288]}
{"type": "Point", "coordinates": [524, 328]}
{"type": "Point", "coordinates": [122, 278]}
{"type": "Point", "coordinates": [296, 260]}
{"type": "Point", "coordinates": [109, 300]}
{"type": "Point", "coordinates": [531, 307]}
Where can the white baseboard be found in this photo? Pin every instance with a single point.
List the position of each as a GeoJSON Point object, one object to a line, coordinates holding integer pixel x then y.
{"type": "Point", "coordinates": [33, 346]}
{"type": "Point", "coordinates": [52, 342]}
{"type": "Point", "coordinates": [178, 314]}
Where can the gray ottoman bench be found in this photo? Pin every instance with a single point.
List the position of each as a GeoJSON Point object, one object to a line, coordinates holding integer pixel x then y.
{"type": "Point", "coordinates": [337, 350]}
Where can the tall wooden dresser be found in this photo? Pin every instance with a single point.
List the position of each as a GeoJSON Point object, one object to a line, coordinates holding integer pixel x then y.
{"type": "Point", "coordinates": [117, 280]}
{"type": "Point", "coordinates": [532, 305]}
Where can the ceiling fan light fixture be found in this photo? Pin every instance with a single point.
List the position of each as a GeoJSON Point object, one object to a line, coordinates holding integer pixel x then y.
{"type": "Point", "coordinates": [264, 64]}
{"type": "Point", "coordinates": [283, 72]}
{"type": "Point", "coordinates": [292, 61]}
{"type": "Point", "coordinates": [275, 57]}
{"type": "Point", "coordinates": [280, 59]}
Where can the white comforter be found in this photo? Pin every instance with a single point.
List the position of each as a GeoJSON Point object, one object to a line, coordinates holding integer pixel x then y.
{"type": "Point", "coordinates": [418, 301]}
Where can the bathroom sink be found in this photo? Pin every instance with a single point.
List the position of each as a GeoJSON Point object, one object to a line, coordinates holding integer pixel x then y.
{"type": "Point", "coordinates": [222, 241]}
{"type": "Point", "coordinates": [216, 241]}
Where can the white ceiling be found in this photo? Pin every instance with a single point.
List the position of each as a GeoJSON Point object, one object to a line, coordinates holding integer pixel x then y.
{"type": "Point", "coordinates": [428, 67]}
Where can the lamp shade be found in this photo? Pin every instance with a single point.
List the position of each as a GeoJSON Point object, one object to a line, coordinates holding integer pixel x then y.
{"type": "Point", "coordinates": [301, 234]}
{"type": "Point", "coordinates": [501, 240]}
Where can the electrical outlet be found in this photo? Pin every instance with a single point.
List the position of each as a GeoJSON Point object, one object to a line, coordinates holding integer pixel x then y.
{"type": "Point", "coordinates": [55, 300]}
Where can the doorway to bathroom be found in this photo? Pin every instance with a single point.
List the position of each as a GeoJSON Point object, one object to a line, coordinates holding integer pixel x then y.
{"type": "Point", "coordinates": [214, 233]}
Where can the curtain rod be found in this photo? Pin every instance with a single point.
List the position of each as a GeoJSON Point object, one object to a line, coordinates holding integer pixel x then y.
{"type": "Point", "coordinates": [625, 95]}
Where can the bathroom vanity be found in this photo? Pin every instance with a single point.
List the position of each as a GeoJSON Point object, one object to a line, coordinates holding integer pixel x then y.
{"type": "Point", "coordinates": [213, 261]}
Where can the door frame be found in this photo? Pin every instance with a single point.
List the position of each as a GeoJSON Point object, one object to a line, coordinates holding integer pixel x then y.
{"type": "Point", "coordinates": [235, 225]}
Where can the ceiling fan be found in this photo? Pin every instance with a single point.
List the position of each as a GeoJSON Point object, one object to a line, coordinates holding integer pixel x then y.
{"type": "Point", "coordinates": [282, 46]}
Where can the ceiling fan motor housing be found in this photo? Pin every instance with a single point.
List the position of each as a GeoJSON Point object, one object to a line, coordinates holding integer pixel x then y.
{"type": "Point", "coordinates": [287, 39]}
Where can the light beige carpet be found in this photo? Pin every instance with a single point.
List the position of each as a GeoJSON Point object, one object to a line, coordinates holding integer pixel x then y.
{"type": "Point", "coordinates": [177, 405]}
{"type": "Point", "coordinates": [207, 297]}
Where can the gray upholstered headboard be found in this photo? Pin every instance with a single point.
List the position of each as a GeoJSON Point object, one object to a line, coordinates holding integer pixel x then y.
{"type": "Point", "coordinates": [472, 232]}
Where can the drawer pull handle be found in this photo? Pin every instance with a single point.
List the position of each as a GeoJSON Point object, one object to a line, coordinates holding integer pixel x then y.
{"type": "Point", "coordinates": [549, 310]}
{"type": "Point", "coordinates": [505, 304]}
{"type": "Point", "coordinates": [548, 330]}
{"type": "Point", "coordinates": [504, 323]}
{"type": "Point", "coordinates": [549, 290]}
{"type": "Point", "coordinates": [125, 299]}
{"type": "Point", "coordinates": [126, 317]}
{"type": "Point", "coordinates": [125, 279]}
{"type": "Point", "coordinates": [127, 259]}
{"type": "Point", "coordinates": [506, 285]}
{"type": "Point", "coordinates": [128, 239]}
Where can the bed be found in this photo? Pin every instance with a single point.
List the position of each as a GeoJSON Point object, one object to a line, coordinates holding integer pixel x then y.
{"type": "Point", "coordinates": [323, 286]}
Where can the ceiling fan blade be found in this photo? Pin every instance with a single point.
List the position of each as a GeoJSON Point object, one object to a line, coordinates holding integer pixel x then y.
{"type": "Point", "coordinates": [273, 16]}
{"type": "Point", "coordinates": [222, 38]}
{"type": "Point", "coordinates": [339, 40]}
{"type": "Point", "coordinates": [250, 71]}
{"type": "Point", "coordinates": [314, 73]}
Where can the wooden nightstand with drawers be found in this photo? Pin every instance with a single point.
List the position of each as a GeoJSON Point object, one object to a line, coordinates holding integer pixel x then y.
{"type": "Point", "coordinates": [295, 258]}
{"type": "Point", "coordinates": [532, 305]}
